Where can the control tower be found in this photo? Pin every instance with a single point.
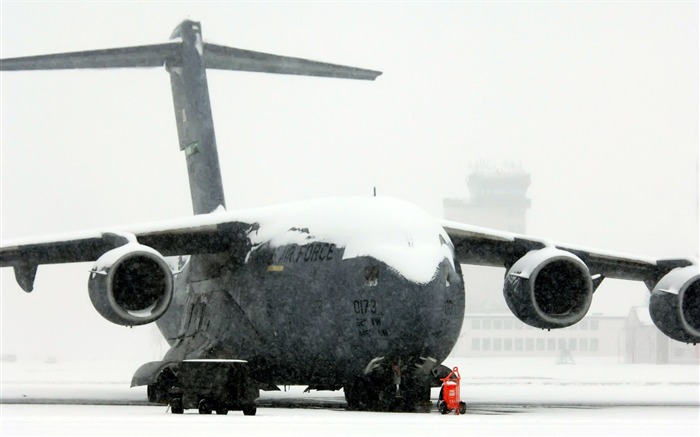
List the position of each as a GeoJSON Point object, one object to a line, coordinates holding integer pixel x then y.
{"type": "Point", "coordinates": [498, 200]}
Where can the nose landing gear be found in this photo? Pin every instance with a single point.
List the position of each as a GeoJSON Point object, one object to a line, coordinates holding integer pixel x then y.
{"type": "Point", "coordinates": [389, 387]}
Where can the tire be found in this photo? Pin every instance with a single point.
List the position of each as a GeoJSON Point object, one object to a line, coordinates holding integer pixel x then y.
{"type": "Point", "coordinates": [158, 392]}
{"type": "Point", "coordinates": [442, 407]}
{"type": "Point", "coordinates": [204, 407]}
{"type": "Point", "coordinates": [151, 393]}
{"type": "Point", "coordinates": [250, 410]}
{"type": "Point", "coordinates": [462, 408]}
{"type": "Point", "coordinates": [360, 395]}
{"type": "Point", "coordinates": [222, 411]}
{"type": "Point", "coordinates": [351, 397]}
{"type": "Point", "coordinates": [176, 406]}
{"type": "Point", "coordinates": [440, 399]}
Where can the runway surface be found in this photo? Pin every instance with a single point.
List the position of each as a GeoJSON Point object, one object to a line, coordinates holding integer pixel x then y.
{"type": "Point", "coordinates": [505, 397]}
{"type": "Point", "coordinates": [104, 420]}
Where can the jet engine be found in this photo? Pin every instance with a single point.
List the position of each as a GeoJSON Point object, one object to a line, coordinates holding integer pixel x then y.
{"type": "Point", "coordinates": [549, 288]}
{"type": "Point", "coordinates": [131, 285]}
{"type": "Point", "coordinates": [675, 304]}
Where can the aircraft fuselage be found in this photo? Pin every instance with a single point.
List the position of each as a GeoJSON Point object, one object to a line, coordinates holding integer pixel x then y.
{"type": "Point", "coordinates": [318, 308]}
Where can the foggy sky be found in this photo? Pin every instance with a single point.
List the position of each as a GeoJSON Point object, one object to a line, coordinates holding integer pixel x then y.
{"type": "Point", "coordinates": [597, 101]}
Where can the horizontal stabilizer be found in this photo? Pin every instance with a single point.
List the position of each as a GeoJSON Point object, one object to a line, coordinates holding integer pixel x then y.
{"type": "Point", "coordinates": [228, 58]}
{"type": "Point", "coordinates": [123, 57]}
{"type": "Point", "coordinates": [215, 56]}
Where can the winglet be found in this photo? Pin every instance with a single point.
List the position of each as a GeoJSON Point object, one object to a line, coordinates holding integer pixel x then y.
{"type": "Point", "coordinates": [25, 275]}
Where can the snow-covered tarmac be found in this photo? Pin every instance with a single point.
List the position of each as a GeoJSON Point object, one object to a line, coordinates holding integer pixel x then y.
{"type": "Point", "coordinates": [512, 396]}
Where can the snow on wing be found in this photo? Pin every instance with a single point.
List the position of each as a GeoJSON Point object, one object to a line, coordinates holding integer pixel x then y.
{"type": "Point", "coordinates": [193, 235]}
{"type": "Point", "coordinates": [483, 246]}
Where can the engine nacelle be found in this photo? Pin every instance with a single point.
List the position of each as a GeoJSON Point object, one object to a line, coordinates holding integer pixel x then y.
{"type": "Point", "coordinates": [675, 304]}
{"type": "Point", "coordinates": [549, 288]}
{"type": "Point", "coordinates": [131, 285]}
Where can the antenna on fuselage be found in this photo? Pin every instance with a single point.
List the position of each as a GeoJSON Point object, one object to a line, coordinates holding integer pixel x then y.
{"type": "Point", "coordinates": [186, 57]}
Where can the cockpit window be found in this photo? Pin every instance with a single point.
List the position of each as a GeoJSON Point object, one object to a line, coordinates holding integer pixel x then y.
{"type": "Point", "coordinates": [371, 276]}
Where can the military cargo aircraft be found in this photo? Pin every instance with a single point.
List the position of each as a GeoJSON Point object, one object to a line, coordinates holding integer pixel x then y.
{"type": "Point", "coordinates": [364, 293]}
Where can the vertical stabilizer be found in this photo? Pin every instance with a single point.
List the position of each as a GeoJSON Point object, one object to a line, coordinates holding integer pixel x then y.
{"type": "Point", "coordinates": [186, 58]}
{"type": "Point", "coordinates": [195, 126]}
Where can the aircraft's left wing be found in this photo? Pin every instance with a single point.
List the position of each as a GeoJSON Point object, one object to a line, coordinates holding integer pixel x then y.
{"type": "Point", "coordinates": [550, 285]}
{"type": "Point", "coordinates": [193, 235]}
{"type": "Point", "coordinates": [482, 246]}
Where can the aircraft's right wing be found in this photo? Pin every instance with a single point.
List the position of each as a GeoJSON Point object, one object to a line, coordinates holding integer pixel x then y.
{"type": "Point", "coordinates": [193, 235]}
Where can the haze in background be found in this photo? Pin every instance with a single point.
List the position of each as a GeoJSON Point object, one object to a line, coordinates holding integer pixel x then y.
{"type": "Point", "coordinates": [597, 101]}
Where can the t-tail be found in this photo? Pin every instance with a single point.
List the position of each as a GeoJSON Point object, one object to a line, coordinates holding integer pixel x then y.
{"type": "Point", "coordinates": [186, 57]}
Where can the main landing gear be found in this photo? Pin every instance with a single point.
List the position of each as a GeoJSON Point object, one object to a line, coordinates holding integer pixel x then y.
{"type": "Point", "coordinates": [206, 385]}
{"type": "Point", "coordinates": [207, 406]}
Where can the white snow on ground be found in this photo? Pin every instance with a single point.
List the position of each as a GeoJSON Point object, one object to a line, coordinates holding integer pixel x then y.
{"type": "Point", "coordinates": [506, 396]}
{"type": "Point", "coordinates": [484, 380]}
{"type": "Point", "coordinates": [68, 420]}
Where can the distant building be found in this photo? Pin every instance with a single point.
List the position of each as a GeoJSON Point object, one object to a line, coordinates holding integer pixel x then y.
{"type": "Point", "coordinates": [644, 343]}
{"type": "Point", "coordinates": [494, 335]}
{"type": "Point", "coordinates": [632, 339]}
{"type": "Point", "coordinates": [497, 199]}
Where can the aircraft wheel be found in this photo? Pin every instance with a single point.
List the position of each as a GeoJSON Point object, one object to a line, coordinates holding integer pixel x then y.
{"type": "Point", "coordinates": [204, 407]}
{"type": "Point", "coordinates": [222, 411]}
{"type": "Point", "coordinates": [351, 397]}
{"type": "Point", "coordinates": [360, 396]}
{"type": "Point", "coordinates": [415, 397]}
{"type": "Point", "coordinates": [462, 408]}
{"type": "Point", "coordinates": [151, 393]}
{"type": "Point", "coordinates": [250, 410]}
{"type": "Point", "coordinates": [176, 406]}
{"type": "Point", "coordinates": [158, 392]}
{"type": "Point", "coordinates": [440, 398]}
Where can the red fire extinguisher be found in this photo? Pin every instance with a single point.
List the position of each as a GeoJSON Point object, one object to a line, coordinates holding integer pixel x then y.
{"type": "Point", "coordinates": [450, 398]}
